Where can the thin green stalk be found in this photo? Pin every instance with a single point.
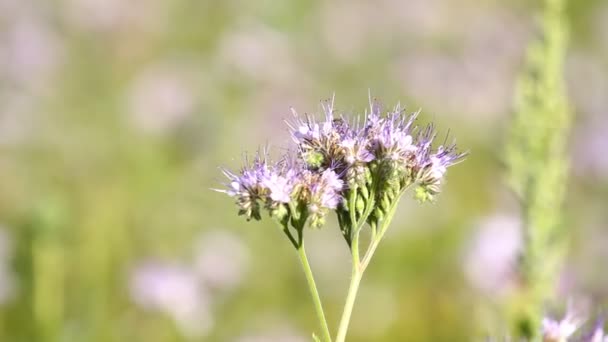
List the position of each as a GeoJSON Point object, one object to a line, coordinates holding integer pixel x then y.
{"type": "Point", "coordinates": [353, 288]}
{"type": "Point", "coordinates": [358, 268]}
{"type": "Point", "coordinates": [314, 293]}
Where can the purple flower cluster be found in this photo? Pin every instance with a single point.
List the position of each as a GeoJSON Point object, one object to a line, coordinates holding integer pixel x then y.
{"type": "Point", "coordinates": [569, 329]}
{"type": "Point", "coordinates": [337, 162]}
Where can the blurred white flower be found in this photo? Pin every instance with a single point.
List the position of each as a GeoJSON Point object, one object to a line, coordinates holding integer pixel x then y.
{"type": "Point", "coordinates": [174, 290]}
{"type": "Point", "coordinates": [161, 99]}
{"type": "Point", "coordinates": [491, 256]}
{"type": "Point", "coordinates": [220, 259]}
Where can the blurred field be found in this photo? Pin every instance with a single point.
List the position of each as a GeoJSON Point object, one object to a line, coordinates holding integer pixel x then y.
{"type": "Point", "coordinates": [114, 116]}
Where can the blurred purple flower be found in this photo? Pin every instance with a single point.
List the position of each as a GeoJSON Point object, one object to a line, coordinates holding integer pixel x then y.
{"type": "Point", "coordinates": [161, 99]}
{"type": "Point", "coordinates": [220, 259]}
{"type": "Point", "coordinates": [30, 51]}
{"type": "Point", "coordinates": [174, 290]}
{"type": "Point", "coordinates": [560, 331]}
{"type": "Point", "coordinates": [491, 258]}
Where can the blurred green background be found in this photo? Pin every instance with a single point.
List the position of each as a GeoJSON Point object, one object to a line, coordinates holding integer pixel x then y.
{"type": "Point", "coordinates": [114, 116]}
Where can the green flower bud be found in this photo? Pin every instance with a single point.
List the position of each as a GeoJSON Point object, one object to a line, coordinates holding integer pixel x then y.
{"type": "Point", "coordinates": [314, 159]}
{"type": "Point", "coordinates": [360, 206]}
{"type": "Point", "coordinates": [385, 203]}
{"type": "Point", "coordinates": [422, 194]}
{"type": "Point", "coordinates": [317, 221]}
{"type": "Point", "coordinates": [279, 213]}
{"type": "Point", "coordinates": [364, 192]}
{"type": "Point", "coordinates": [368, 175]}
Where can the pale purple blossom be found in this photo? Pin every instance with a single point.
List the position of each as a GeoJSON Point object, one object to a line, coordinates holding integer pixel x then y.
{"type": "Point", "coordinates": [356, 150]}
{"type": "Point", "coordinates": [308, 130]}
{"type": "Point", "coordinates": [280, 182]}
{"type": "Point", "coordinates": [442, 159]}
{"type": "Point", "coordinates": [328, 189]}
{"type": "Point", "coordinates": [250, 185]}
{"type": "Point", "coordinates": [392, 135]}
{"type": "Point", "coordinates": [432, 166]}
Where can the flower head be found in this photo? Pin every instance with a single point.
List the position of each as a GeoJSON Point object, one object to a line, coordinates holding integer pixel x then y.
{"type": "Point", "coordinates": [338, 165]}
{"type": "Point", "coordinates": [261, 182]}
{"type": "Point", "coordinates": [318, 143]}
{"type": "Point", "coordinates": [320, 192]}
{"type": "Point", "coordinates": [430, 167]}
{"type": "Point", "coordinates": [356, 150]}
{"type": "Point", "coordinates": [391, 136]}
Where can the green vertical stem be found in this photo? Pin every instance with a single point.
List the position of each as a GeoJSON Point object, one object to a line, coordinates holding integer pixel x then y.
{"type": "Point", "coordinates": [353, 288]}
{"type": "Point", "coordinates": [359, 266]}
{"type": "Point", "coordinates": [314, 293]}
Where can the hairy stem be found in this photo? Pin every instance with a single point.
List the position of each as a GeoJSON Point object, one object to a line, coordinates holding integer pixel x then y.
{"type": "Point", "coordinates": [353, 288]}
{"type": "Point", "coordinates": [314, 293]}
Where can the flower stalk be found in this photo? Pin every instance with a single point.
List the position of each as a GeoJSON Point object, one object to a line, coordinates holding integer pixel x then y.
{"type": "Point", "coordinates": [359, 171]}
{"type": "Point", "coordinates": [314, 293]}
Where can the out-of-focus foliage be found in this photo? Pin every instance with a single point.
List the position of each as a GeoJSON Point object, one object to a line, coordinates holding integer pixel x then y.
{"type": "Point", "coordinates": [114, 116]}
{"type": "Point", "coordinates": [536, 155]}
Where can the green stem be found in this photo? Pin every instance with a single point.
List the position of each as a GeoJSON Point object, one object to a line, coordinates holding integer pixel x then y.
{"type": "Point", "coordinates": [314, 293]}
{"type": "Point", "coordinates": [353, 288]}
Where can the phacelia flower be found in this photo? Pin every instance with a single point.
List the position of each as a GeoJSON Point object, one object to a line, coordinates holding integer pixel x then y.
{"type": "Point", "coordinates": [430, 167]}
{"type": "Point", "coordinates": [319, 143]}
{"type": "Point", "coordinates": [560, 331]}
{"type": "Point", "coordinates": [261, 183]}
{"type": "Point", "coordinates": [320, 192]}
{"type": "Point", "coordinates": [356, 151]}
{"type": "Point", "coordinates": [344, 166]}
{"type": "Point", "coordinates": [391, 135]}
